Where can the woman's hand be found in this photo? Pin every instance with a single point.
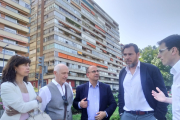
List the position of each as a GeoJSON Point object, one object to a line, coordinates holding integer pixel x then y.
{"type": "Point", "coordinates": [39, 99]}
{"type": "Point", "coordinates": [11, 111]}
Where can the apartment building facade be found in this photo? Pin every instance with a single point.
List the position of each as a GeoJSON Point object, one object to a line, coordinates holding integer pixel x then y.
{"type": "Point", "coordinates": [14, 30]}
{"type": "Point", "coordinates": [77, 33]}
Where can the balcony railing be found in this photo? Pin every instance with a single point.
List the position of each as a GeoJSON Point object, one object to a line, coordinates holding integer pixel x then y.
{"type": "Point", "coordinates": [11, 9]}
{"type": "Point", "coordinates": [9, 52]}
{"type": "Point", "coordinates": [13, 43]}
{"type": "Point", "coordinates": [12, 32]}
{"type": "Point", "coordinates": [26, 5]}
{"type": "Point", "coordinates": [15, 12]}
{"type": "Point", "coordinates": [11, 20]}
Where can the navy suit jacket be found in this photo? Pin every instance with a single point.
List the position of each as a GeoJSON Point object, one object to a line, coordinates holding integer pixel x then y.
{"type": "Point", "coordinates": [107, 102]}
{"type": "Point", "coordinates": [150, 79]}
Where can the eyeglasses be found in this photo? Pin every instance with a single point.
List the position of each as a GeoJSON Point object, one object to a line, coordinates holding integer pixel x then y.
{"type": "Point", "coordinates": [94, 71]}
{"type": "Point", "coordinates": [161, 50]}
{"type": "Point", "coordinates": [65, 100]}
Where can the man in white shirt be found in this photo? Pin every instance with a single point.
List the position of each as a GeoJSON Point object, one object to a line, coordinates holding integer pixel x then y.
{"type": "Point", "coordinates": [169, 53]}
{"type": "Point", "coordinates": [136, 81]}
{"type": "Point", "coordinates": [57, 96]}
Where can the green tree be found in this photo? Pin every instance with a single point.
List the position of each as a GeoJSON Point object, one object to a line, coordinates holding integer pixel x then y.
{"type": "Point", "coordinates": [149, 55]}
{"type": "Point", "coordinates": [165, 71]}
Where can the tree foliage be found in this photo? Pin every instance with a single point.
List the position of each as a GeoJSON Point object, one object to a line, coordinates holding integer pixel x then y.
{"type": "Point", "coordinates": [149, 55]}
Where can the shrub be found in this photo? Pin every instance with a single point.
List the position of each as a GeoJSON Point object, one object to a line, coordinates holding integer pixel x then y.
{"type": "Point", "coordinates": [74, 111]}
{"type": "Point", "coordinates": [1, 105]}
{"type": "Point", "coordinates": [169, 113]}
{"type": "Point", "coordinates": [115, 117]}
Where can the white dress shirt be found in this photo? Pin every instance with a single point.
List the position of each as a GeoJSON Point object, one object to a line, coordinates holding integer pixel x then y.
{"type": "Point", "coordinates": [175, 70]}
{"type": "Point", "coordinates": [133, 93]}
{"type": "Point", "coordinates": [45, 94]}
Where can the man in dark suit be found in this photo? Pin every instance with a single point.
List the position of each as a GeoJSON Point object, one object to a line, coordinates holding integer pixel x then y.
{"type": "Point", "coordinates": [136, 81]}
{"type": "Point", "coordinates": [94, 98]}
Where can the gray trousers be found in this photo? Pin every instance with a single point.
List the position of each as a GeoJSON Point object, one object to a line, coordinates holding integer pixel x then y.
{"type": "Point", "coordinates": [129, 116]}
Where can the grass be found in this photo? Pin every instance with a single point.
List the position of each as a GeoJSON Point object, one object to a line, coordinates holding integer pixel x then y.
{"type": "Point", "coordinates": [77, 117]}
{"type": "Point", "coordinates": [115, 116]}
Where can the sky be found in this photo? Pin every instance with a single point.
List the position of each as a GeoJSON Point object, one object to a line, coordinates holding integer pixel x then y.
{"type": "Point", "coordinates": [144, 22]}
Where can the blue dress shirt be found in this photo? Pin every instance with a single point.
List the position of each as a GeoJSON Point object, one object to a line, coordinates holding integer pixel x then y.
{"type": "Point", "coordinates": [93, 99]}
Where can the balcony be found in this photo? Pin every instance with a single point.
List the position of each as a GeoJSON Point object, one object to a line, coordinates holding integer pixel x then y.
{"type": "Point", "coordinates": [10, 22]}
{"type": "Point", "coordinates": [67, 6]}
{"type": "Point", "coordinates": [11, 9]}
{"type": "Point", "coordinates": [6, 56]}
{"type": "Point", "coordinates": [77, 1]}
{"type": "Point", "coordinates": [9, 52]}
{"type": "Point", "coordinates": [88, 4]}
{"type": "Point", "coordinates": [16, 4]}
{"type": "Point", "coordinates": [15, 47]}
{"type": "Point", "coordinates": [13, 35]}
{"type": "Point", "coordinates": [14, 14]}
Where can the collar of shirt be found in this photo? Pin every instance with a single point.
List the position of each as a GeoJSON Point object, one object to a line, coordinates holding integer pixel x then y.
{"type": "Point", "coordinates": [138, 66]}
{"type": "Point", "coordinates": [90, 85]}
{"type": "Point", "coordinates": [56, 83]}
{"type": "Point", "coordinates": [175, 69]}
{"type": "Point", "coordinates": [61, 88]}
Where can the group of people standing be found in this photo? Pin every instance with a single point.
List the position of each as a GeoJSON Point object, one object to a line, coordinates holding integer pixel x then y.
{"type": "Point", "coordinates": [142, 92]}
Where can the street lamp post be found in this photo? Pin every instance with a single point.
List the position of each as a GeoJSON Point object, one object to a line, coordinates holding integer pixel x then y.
{"type": "Point", "coordinates": [4, 53]}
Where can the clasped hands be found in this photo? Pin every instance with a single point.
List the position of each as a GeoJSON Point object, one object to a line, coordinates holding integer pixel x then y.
{"type": "Point", "coordinates": [100, 114]}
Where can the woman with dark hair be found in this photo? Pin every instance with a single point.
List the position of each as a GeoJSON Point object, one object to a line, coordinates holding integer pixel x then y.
{"type": "Point", "coordinates": [16, 92]}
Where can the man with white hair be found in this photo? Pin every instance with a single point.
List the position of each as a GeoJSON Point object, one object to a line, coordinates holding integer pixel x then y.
{"type": "Point", "coordinates": [57, 96]}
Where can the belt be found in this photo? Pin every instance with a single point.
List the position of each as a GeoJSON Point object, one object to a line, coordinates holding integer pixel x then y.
{"type": "Point", "coordinates": [140, 112]}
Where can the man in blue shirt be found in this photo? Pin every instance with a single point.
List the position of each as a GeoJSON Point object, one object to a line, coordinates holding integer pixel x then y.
{"type": "Point", "coordinates": [94, 98]}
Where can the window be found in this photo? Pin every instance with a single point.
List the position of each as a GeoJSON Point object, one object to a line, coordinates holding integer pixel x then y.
{"type": "Point", "coordinates": [17, 1]}
{"type": "Point", "coordinates": [11, 19]}
{"type": "Point", "coordinates": [22, 3]}
{"type": "Point", "coordinates": [27, 6]}
{"type": "Point", "coordinates": [59, 15]}
{"type": "Point", "coordinates": [10, 30]}
{"type": "Point", "coordinates": [63, 62]}
{"type": "Point", "coordinates": [56, 62]}
{"type": "Point", "coordinates": [8, 52]}
{"type": "Point", "coordinates": [50, 7]}
{"type": "Point", "coordinates": [1, 63]}
{"type": "Point", "coordinates": [77, 83]}
{"type": "Point", "coordinates": [11, 9]}
{"type": "Point", "coordinates": [9, 41]}
{"type": "Point", "coordinates": [84, 42]}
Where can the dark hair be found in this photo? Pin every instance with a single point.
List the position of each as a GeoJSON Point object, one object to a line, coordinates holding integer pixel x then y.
{"type": "Point", "coordinates": [171, 41]}
{"type": "Point", "coordinates": [136, 49]}
{"type": "Point", "coordinates": [9, 73]}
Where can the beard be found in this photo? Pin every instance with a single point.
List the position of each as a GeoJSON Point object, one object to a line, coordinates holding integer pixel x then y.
{"type": "Point", "coordinates": [133, 64]}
